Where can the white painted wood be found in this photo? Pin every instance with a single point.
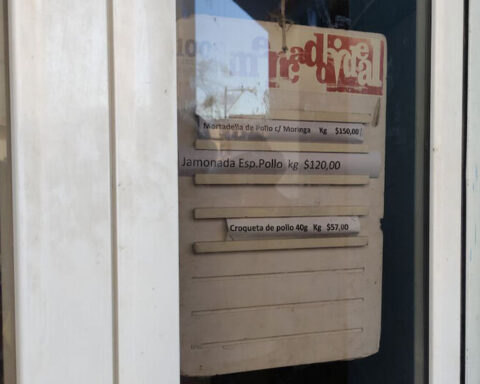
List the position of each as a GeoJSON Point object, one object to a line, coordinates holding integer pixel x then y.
{"type": "Point", "coordinates": [61, 210]}
{"type": "Point", "coordinates": [278, 244]}
{"type": "Point", "coordinates": [472, 302]}
{"type": "Point", "coordinates": [446, 191]}
{"type": "Point", "coordinates": [292, 211]}
{"type": "Point", "coordinates": [346, 117]}
{"type": "Point", "coordinates": [147, 204]}
{"type": "Point", "coordinates": [248, 280]}
{"type": "Point", "coordinates": [285, 179]}
{"type": "Point", "coordinates": [231, 145]}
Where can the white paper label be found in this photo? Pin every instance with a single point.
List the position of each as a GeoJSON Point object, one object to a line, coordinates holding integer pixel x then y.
{"type": "Point", "coordinates": [280, 130]}
{"type": "Point", "coordinates": [193, 161]}
{"type": "Point", "coordinates": [291, 227]}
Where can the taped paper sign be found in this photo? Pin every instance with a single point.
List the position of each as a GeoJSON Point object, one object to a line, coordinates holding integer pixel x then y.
{"type": "Point", "coordinates": [204, 161]}
{"type": "Point", "coordinates": [292, 227]}
{"type": "Point", "coordinates": [280, 130]}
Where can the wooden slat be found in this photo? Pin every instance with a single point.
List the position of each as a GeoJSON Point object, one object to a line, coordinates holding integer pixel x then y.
{"type": "Point", "coordinates": [281, 146]}
{"type": "Point", "coordinates": [148, 346]}
{"type": "Point", "coordinates": [250, 212]}
{"type": "Point", "coordinates": [234, 293]}
{"type": "Point", "coordinates": [274, 320]}
{"type": "Point", "coordinates": [243, 341]}
{"type": "Point", "coordinates": [259, 179]}
{"type": "Point", "coordinates": [64, 310]}
{"type": "Point", "coordinates": [278, 244]}
{"type": "Point", "coordinates": [345, 117]}
{"type": "Point", "coordinates": [326, 116]}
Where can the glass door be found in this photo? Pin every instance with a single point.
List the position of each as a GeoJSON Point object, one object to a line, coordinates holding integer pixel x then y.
{"type": "Point", "coordinates": [303, 131]}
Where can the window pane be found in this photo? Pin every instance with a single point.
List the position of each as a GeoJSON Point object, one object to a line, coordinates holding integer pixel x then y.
{"type": "Point", "coordinates": [301, 132]}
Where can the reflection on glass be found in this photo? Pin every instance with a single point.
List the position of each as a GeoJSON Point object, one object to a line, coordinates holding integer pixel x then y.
{"type": "Point", "coordinates": [282, 132]}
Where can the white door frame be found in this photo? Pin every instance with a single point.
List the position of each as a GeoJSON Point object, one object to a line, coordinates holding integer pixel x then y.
{"type": "Point", "coordinates": [472, 244]}
{"type": "Point", "coordinates": [446, 151]}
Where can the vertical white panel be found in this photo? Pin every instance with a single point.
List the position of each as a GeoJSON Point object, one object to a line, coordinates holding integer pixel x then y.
{"type": "Point", "coordinates": [472, 311]}
{"type": "Point", "coordinates": [60, 149]}
{"type": "Point", "coordinates": [446, 191]}
{"type": "Point", "coordinates": [145, 130]}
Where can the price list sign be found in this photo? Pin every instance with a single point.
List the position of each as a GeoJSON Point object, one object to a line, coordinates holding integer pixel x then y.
{"type": "Point", "coordinates": [281, 190]}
